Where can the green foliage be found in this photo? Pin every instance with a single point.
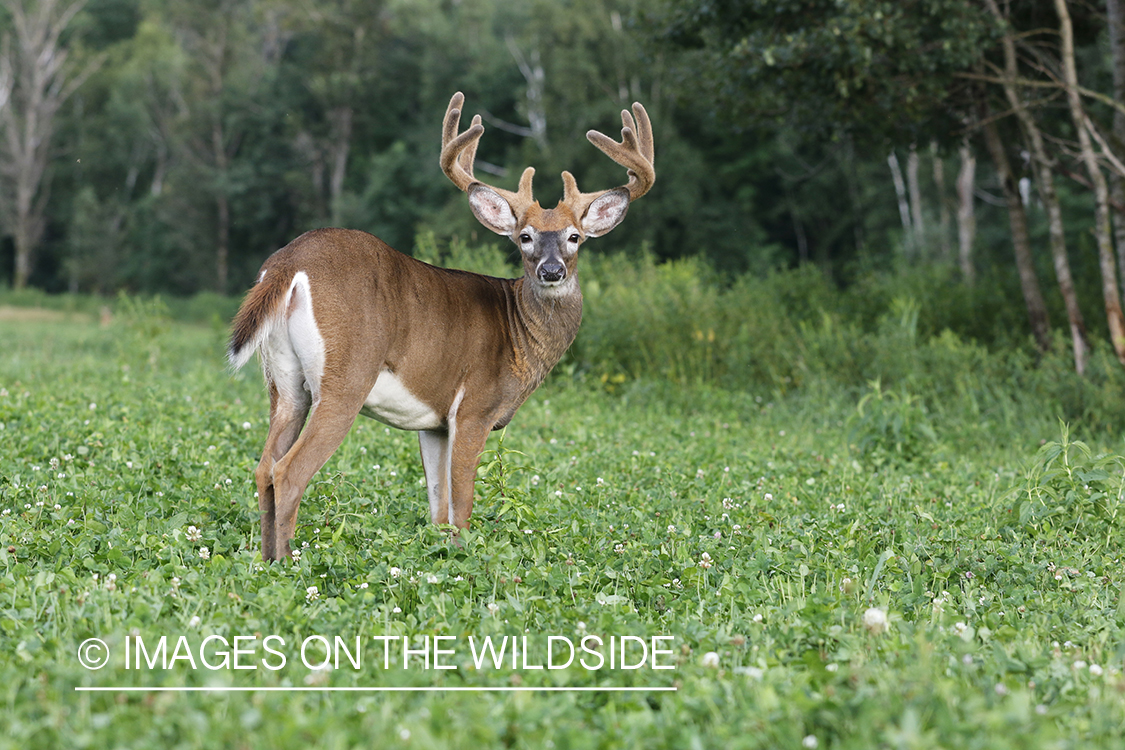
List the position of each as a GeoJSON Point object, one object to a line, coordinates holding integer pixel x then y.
{"type": "Point", "coordinates": [890, 426]}
{"type": "Point", "coordinates": [489, 260]}
{"type": "Point", "coordinates": [740, 527]}
{"type": "Point", "coordinates": [1066, 485]}
{"type": "Point", "coordinates": [881, 71]}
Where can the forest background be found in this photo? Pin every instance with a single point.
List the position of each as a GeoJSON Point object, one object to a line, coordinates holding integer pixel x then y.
{"type": "Point", "coordinates": [958, 162]}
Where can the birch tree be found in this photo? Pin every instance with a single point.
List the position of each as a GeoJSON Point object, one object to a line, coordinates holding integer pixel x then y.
{"type": "Point", "coordinates": [966, 213]}
{"type": "Point", "coordinates": [42, 79]}
{"type": "Point", "coordinates": [1043, 164]}
{"type": "Point", "coordinates": [1021, 239]}
{"type": "Point", "coordinates": [1102, 236]}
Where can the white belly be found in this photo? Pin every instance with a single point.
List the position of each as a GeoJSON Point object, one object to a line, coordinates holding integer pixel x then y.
{"type": "Point", "coordinates": [391, 403]}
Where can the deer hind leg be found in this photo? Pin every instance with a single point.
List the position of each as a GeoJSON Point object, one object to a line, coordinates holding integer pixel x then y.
{"type": "Point", "coordinates": [329, 421]}
{"type": "Point", "coordinates": [288, 412]}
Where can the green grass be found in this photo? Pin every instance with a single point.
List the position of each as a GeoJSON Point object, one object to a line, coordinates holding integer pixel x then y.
{"type": "Point", "coordinates": [993, 545]}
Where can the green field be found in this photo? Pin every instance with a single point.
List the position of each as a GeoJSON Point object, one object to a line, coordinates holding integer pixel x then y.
{"type": "Point", "coordinates": [755, 527]}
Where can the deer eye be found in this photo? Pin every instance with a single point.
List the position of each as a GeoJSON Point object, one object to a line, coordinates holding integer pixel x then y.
{"type": "Point", "coordinates": [525, 237]}
{"type": "Point", "coordinates": [574, 238]}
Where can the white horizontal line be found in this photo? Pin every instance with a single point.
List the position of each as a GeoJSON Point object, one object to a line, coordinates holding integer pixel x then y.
{"type": "Point", "coordinates": [297, 689]}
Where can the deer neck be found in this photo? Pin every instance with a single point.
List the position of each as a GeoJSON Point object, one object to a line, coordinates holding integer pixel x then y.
{"type": "Point", "coordinates": [543, 328]}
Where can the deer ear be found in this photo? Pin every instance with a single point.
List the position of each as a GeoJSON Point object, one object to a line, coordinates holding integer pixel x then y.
{"type": "Point", "coordinates": [491, 209]}
{"type": "Point", "coordinates": [605, 212]}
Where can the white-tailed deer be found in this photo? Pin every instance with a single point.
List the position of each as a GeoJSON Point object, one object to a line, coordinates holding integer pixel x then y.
{"type": "Point", "coordinates": [344, 325]}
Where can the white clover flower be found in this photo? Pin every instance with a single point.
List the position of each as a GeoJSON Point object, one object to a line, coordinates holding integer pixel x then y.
{"type": "Point", "coordinates": [296, 555]}
{"type": "Point", "coordinates": [431, 578]}
{"type": "Point", "coordinates": [875, 620]}
{"type": "Point", "coordinates": [194, 621]}
{"type": "Point", "coordinates": [493, 608]}
{"type": "Point", "coordinates": [246, 425]}
{"type": "Point", "coordinates": [619, 548]}
{"type": "Point", "coordinates": [705, 561]}
{"type": "Point", "coordinates": [1079, 665]}
{"type": "Point", "coordinates": [312, 593]}
{"type": "Point", "coordinates": [810, 742]}
{"type": "Point", "coordinates": [54, 464]}
{"type": "Point", "coordinates": [1096, 670]}
{"type": "Point", "coordinates": [768, 497]}
{"type": "Point", "coordinates": [363, 585]}
{"type": "Point", "coordinates": [93, 406]}
{"type": "Point", "coordinates": [193, 534]}
{"type": "Point", "coordinates": [395, 572]}
{"type": "Point", "coordinates": [711, 660]}
{"type": "Point", "coordinates": [205, 553]}
{"type": "Point", "coordinates": [397, 610]}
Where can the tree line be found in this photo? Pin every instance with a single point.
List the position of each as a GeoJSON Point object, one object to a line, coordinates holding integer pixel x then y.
{"type": "Point", "coordinates": [169, 146]}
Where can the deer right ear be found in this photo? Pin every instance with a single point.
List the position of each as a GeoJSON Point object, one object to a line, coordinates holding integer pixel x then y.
{"type": "Point", "coordinates": [491, 209]}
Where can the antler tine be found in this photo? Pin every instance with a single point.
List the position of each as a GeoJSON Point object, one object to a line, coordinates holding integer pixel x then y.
{"type": "Point", "coordinates": [458, 152]}
{"type": "Point", "coordinates": [635, 152]}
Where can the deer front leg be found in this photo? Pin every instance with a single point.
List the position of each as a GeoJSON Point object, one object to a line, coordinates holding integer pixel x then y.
{"type": "Point", "coordinates": [466, 451]}
{"type": "Point", "coordinates": [436, 463]}
{"type": "Point", "coordinates": [450, 458]}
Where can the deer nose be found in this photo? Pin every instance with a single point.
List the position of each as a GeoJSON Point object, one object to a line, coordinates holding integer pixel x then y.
{"type": "Point", "coordinates": [550, 272]}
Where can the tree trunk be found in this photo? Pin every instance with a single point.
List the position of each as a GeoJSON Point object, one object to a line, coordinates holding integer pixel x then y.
{"type": "Point", "coordinates": [915, 199]}
{"type": "Point", "coordinates": [1116, 15]}
{"type": "Point", "coordinates": [966, 213]}
{"type": "Point", "coordinates": [34, 84]}
{"type": "Point", "coordinates": [943, 204]}
{"type": "Point", "coordinates": [341, 119]}
{"type": "Point", "coordinates": [1021, 242]}
{"type": "Point", "coordinates": [903, 204]}
{"type": "Point", "coordinates": [1097, 179]}
{"type": "Point", "coordinates": [222, 207]}
{"type": "Point", "coordinates": [1043, 165]}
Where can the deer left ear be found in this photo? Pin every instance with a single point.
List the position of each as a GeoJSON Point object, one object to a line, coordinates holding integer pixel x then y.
{"type": "Point", "coordinates": [605, 212]}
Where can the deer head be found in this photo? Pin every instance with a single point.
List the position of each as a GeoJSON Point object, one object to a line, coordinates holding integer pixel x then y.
{"type": "Point", "coordinates": [548, 239]}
